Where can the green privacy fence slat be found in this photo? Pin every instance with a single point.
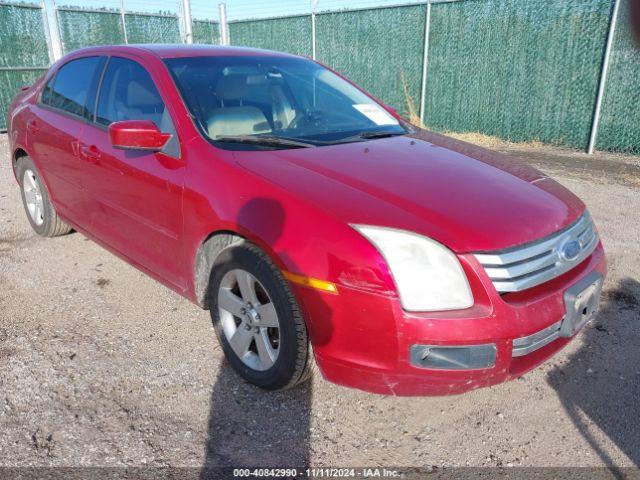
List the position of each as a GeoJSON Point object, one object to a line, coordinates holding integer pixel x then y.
{"type": "Point", "coordinates": [82, 29]}
{"type": "Point", "coordinates": [22, 37]}
{"type": "Point", "coordinates": [620, 119]}
{"type": "Point", "coordinates": [22, 44]}
{"type": "Point", "coordinates": [380, 49]}
{"type": "Point", "coordinates": [205, 31]}
{"type": "Point", "coordinates": [152, 29]}
{"type": "Point", "coordinates": [10, 83]}
{"type": "Point", "coordinates": [516, 69]}
{"type": "Point", "coordinates": [291, 35]}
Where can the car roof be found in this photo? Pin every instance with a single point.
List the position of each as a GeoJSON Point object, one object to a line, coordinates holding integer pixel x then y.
{"type": "Point", "coordinates": [181, 50]}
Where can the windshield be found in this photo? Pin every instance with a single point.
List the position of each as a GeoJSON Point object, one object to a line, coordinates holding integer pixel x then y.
{"type": "Point", "coordinates": [253, 102]}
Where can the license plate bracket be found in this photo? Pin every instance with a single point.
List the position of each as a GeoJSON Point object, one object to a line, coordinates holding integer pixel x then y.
{"type": "Point", "coordinates": [581, 304]}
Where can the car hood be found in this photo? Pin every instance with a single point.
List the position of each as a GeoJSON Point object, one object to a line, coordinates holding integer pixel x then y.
{"type": "Point", "coordinates": [468, 198]}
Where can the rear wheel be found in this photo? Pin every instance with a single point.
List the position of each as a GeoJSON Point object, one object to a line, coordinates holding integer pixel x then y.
{"type": "Point", "coordinates": [257, 319]}
{"type": "Point", "coordinates": [40, 212]}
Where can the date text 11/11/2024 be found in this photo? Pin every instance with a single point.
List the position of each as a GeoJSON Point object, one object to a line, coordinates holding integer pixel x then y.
{"type": "Point", "coordinates": [324, 472]}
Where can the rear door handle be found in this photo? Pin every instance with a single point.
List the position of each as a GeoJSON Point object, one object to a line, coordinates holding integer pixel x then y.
{"type": "Point", "coordinates": [90, 153]}
{"type": "Point", "coordinates": [32, 126]}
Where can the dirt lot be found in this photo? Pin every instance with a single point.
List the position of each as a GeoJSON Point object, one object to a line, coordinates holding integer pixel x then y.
{"type": "Point", "coordinates": [100, 365]}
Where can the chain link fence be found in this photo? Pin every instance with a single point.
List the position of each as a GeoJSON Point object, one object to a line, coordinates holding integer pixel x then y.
{"type": "Point", "coordinates": [30, 33]}
{"type": "Point", "coordinates": [620, 118]}
{"type": "Point", "coordinates": [82, 28]}
{"type": "Point", "coordinates": [287, 34]}
{"type": "Point", "coordinates": [206, 32]}
{"type": "Point", "coordinates": [380, 49]}
{"type": "Point", "coordinates": [23, 50]}
{"type": "Point", "coordinates": [521, 70]}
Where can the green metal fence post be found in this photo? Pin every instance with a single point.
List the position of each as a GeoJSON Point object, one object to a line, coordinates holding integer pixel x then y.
{"type": "Point", "coordinates": [47, 32]}
{"type": "Point", "coordinates": [188, 26]}
{"type": "Point", "coordinates": [313, 35]}
{"type": "Point", "coordinates": [53, 27]}
{"type": "Point", "coordinates": [224, 26]}
{"type": "Point", "coordinates": [425, 59]}
{"type": "Point", "coordinates": [314, 5]}
{"type": "Point", "coordinates": [123, 20]}
{"type": "Point", "coordinates": [603, 77]}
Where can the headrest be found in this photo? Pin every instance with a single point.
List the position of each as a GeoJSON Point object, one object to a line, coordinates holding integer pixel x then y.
{"type": "Point", "coordinates": [237, 121]}
{"type": "Point", "coordinates": [232, 87]}
{"type": "Point", "coordinates": [140, 96]}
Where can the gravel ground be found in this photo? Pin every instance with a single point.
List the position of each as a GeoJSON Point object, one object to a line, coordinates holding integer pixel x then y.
{"type": "Point", "coordinates": [102, 366]}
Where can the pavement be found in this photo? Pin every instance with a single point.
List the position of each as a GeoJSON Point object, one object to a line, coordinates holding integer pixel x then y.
{"type": "Point", "coordinates": [102, 366]}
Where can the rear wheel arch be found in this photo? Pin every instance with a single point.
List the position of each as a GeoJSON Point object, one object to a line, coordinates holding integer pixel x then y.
{"type": "Point", "coordinates": [20, 153]}
{"type": "Point", "coordinates": [17, 155]}
{"type": "Point", "coordinates": [40, 211]}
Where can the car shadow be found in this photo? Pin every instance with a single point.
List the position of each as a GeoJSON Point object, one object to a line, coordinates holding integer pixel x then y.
{"type": "Point", "coordinates": [250, 427]}
{"type": "Point", "coordinates": [600, 384]}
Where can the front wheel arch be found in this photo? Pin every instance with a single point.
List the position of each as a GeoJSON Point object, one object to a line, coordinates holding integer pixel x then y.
{"type": "Point", "coordinates": [209, 250]}
{"type": "Point", "coordinates": [205, 259]}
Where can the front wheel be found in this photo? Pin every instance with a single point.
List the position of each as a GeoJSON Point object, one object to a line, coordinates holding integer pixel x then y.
{"type": "Point", "coordinates": [257, 319]}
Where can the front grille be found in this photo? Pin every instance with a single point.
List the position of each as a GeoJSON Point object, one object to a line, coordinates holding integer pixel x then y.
{"type": "Point", "coordinates": [526, 266]}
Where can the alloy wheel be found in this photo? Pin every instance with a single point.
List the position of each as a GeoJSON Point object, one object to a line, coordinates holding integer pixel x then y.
{"type": "Point", "coordinates": [249, 319]}
{"type": "Point", "coordinates": [33, 197]}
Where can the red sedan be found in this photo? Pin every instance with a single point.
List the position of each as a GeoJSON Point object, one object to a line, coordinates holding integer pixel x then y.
{"type": "Point", "coordinates": [303, 212]}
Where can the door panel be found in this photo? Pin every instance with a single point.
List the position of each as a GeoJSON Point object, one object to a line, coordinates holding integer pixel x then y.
{"type": "Point", "coordinates": [135, 196]}
{"type": "Point", "coordinates": [53, 141]}
{"type": "Point", "coordinates": [54, 130]}
{"type": "Point", "coordinates": [136, 202]}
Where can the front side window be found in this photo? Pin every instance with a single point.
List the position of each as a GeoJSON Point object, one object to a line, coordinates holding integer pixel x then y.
{"type": "Point", "coordinates": [272, 98]}
{"type": "Point", "coordinates": [128, 93]}
{"type": "Point", "coordinates": [70, 89]}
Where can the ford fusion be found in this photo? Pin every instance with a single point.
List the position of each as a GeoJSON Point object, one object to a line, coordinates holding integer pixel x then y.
{"type": "Point", "coordinates": [313, 223]}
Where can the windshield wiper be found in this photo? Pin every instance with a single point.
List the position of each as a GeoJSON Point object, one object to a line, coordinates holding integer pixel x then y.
{"type": "Point", "coordinates": [367, 135]}
{"type": "Point", "coordinates": [268, 140]}
{"type": "Point", "coordinates": [379, 134]}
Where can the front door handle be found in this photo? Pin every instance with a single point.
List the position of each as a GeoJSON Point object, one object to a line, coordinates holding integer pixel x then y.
{"type": "Point", "coordinates": [75, 147]}
{"type": "Point", "coordinates": [90, 153]}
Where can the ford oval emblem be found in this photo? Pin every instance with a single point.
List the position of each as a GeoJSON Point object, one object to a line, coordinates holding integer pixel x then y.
{"type": "Point", "coordinates": [570, 249]}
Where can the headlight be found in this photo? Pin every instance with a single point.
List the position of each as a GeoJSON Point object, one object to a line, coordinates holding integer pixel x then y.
{"type": "Point", "coordinates": [427, 274]}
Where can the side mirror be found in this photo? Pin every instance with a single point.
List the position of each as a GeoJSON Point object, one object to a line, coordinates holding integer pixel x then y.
{"type": "Point", "coordinates": [137, 135]}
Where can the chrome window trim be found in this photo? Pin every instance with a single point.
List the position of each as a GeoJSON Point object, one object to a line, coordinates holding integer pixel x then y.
{"type": "Point", "coordinates": [523, 267]}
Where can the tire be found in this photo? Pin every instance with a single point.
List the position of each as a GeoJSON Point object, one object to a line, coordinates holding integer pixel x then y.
{"type": "Point", "coordinates": [43, 217]}
{"type": "Point", "coordinates": [293, 361]}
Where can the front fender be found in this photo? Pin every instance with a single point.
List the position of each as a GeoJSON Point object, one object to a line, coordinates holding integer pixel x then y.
{"type": "Point", "coordinates": [223, 198]}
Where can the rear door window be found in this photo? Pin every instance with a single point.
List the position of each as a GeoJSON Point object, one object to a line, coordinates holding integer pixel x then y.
{"type": "Point", "coordinates": [72, 89]}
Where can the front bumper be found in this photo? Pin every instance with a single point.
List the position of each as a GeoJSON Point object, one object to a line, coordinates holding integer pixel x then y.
{"type": "Point", "coordinates": [364, 340]}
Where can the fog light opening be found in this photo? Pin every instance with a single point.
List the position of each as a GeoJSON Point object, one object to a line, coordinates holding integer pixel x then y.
{"type": "Point", "coordinates": [463, 357]}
